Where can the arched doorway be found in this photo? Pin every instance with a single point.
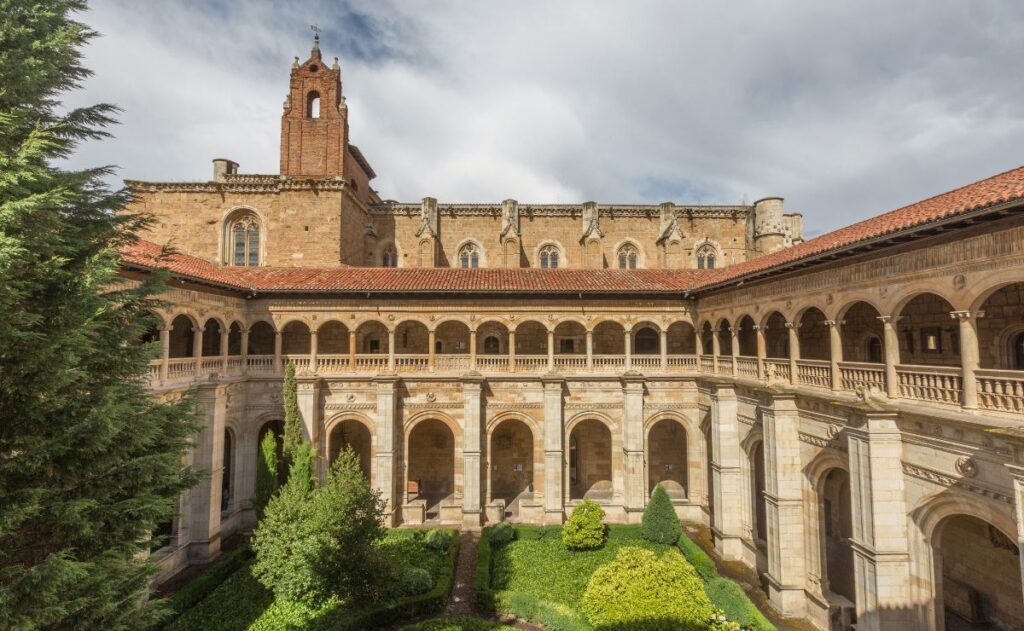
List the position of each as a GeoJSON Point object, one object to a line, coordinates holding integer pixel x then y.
{"type": "Point", "coordinates": [182, 337]}
{"type": "Point", "coordinates": [667, 465]}
{"type": "Point", "coordinates": [227, 485]}
{"type": "Point", "coordinates": [759, 509]}
{"type": "Point", "coordinates": [354, 434]}
{"type": "Point", "coordinates": [512, 467]}
{"type": "Point", "coordinates": [590, 461]}
{"type": "Point", "coordinates": [978, 575]}
{"type": "Point", "coordinates": [430, 466]}
{"type": "Point", "coordinates": [836, 527]}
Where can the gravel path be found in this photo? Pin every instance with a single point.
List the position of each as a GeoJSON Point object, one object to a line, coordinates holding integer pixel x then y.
{"type": "Point", "coordinates": [463, 598]}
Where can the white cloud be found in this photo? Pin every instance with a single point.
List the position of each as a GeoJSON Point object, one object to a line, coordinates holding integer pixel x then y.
{"type": "Point", "coordinates": [847, 109]}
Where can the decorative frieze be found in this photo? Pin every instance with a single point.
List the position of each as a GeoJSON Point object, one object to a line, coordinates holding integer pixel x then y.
{"type": "Point", "coordinates": [944, 479]}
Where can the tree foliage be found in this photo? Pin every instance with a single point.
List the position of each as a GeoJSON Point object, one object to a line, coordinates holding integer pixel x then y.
{"type": "Point", "coordinates": [292, 418]}
{"type": "Point", "coordinates": [660, 523]}
{"type": "Point", "coordinates": [266, 474]}
{"type": "Point", "coordinates": [89, 461]}
{"type": "Point", "coordinates": [585, 529]}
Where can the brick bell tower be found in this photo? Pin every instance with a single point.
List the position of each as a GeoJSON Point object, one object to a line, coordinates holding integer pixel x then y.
{"type": "Point", "coordinates": [314, 125]}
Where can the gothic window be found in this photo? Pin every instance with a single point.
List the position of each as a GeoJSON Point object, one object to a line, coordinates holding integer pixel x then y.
{"type": "Point", "coordinates": [549, 257]}
{"type": "Point", "coordinates": [313, 105]}
{"type": "Point", "coordinates": [628, 257]}
{"type": "Point", "coordinates": [244, 234]}
{"type": "Point", "coordinates": [706, 257]}
{"type": "Point", "coordinates": [389, 258]}
{"type": "Point", "coordinates": [469, 256]}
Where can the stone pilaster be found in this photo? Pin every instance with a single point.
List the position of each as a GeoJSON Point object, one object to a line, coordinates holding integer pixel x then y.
{"type": "Point", "coordinates": [387, 441]}
{"type": "Point", "coordinates": [208, 456]}
{"type": "Point", "coordinates": [635, 495]}
{"type": "Point", "coordinates": [1017, 473]}
{"type": "Point", "coordinates": [554, 495]}
{"type": "Point", "coordinates": [472, 431]}
{"type": "Point", "coordinates": [727, 477]}
{"type": "Point", "coordinates": [879, 510]}
{"type": "Point", "coordinates": [307, 397]}
{"type": "Point", "coordinates": [784, 504]}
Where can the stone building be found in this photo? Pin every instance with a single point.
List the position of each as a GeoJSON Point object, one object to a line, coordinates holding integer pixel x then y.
{"type": "Point", "coordinates": [845, 414]}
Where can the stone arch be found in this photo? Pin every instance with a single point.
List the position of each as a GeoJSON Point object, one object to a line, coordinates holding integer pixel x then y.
{"type": "Point", "coordinates": [1001, 329]}
{"type": "Point", "coordinates": [261, 338]}
{"type": "Point", "coordinates": [776, 336]}
{"type": "Point", "coordinates": [491, 337]}
{"type": "Point", "coordinates": [669, 461]}
{"type": "Point", "coordinates": [432, 449]}
{"type": "Point", "coordinates": [634, 255]}
{"type": "Point", "coordinates": [332, 338]}
{"type": "Point", "coordinates": [590, 474]}
{"type": "Point", "coordinates": [862, 333]}
{"type": "Point", "coordinates": [830, 517]}
{"type": "Point", "coordinates": [754, 448]}
{"type": "Point", "coordinates": [570, 337]}
{"type": "Point", "coordinates": [531, 337]}
{"type": "Point", "coordinates": [926, 333]}
{"type": "Point", "coordinates": [213, 330]}
{"type": "Point", "coordinates": [296, 338]}
{"type": "Point", "coordinates": [182, 332]}
{"type": "Point", "coordinates": [609, 338]}
{"type": "Point", "coordinates": [646, 337]}
{"type": "Point", "coordinates": [451, 336]}
{"type": "Point", "coordinates": [707, 338]}
{"type": "Point", "coordinates": [682, 338]}
{"type": "Point", "coordinates": [813, 334]}
{"type": "Point", "coordinates": [469, 247]}
{"type": "Point", "coordinates": [273, 423]}
{"type": "Point", "coordinates": [546, 247]}
{"type": "Point", "coordinates": [228, 220]}
{"type": "Point", "coordinates": [235, 338]}
{"type": "Point", "coordinates": [372, 337]}
{"type": "Point", "coordinates": [387, 246]}
{"type": "Point", "coordinates": [229, 468]}
{"type": "Point", "coordinates": [355, 431]}
{"type": "Point", "coordinates": [412, 336]}
{"type": "Point", "coordinates": [512, 458]}
{"type": "Point", "coordinates": [724, 337]}
{"type": "Point", "coordinates": [746, 337]}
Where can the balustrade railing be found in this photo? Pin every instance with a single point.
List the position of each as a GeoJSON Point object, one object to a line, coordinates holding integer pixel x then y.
{"type": "Point", "coordinates": [235, 365]}
{"type": "Point", "coordinates": [444, 363]}
{"type": "Point", "coordinates": [778, 369]}
{"type": "Point", "coordinates": [646, 363]}
{"type": "Point", "coordinates": [260, 364]}
{"type": "Point", "coordinates": [814, 372]}
{"type": "Point", "coordinates": [853, 375]}
{"type": "Point", "coordinates": [1000, 390]}
{"type": "Point", "coordinates": [371, 362]}
{"type": "Point", "coordinates": [492, 363]}
{"type": "Point", "coordinates": [574, 363]}
{"type": "Point", "coordinates": [746, 367]}
{"type": "Point", "coordinates": [181, 368]}
{"type": "Point", "coordinates": [328, 364]}
{"type": "Point", "coordinates": [707, 364]}
{"type": "Point", "coordinates": [609, 363]}
{"type": "Point", "coordinates": [682, 363]}
{"type": "Point", "coordinates": [934, 384]}
{"type": "Point", "coordinates": [725, 364]}
{"type": "Point", "coordinates": [411, 363]}
{"type": "Point", "coordinates": [531, 363]}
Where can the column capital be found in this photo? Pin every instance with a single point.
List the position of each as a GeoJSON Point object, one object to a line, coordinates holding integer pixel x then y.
{"type": "Point", "coordinates": [472, 380]}
{"type": "Point", "coordinates": [887, 319]}
{"type": "Point", "coordinates": [964, 316]}
{"type": "Point", "coordinates": [793, 325]}
{"type": "Point", "coordinates": [760, 327]}
{"type": "Point", "coordinates": [832, 323]}
{"type": "Point", "coordinates": [735, 330]}
{"type": "Point", "coordinates": [312, 332]}
{"type": "Point", "coordinates": [551, 380]}
{"type": "Point", "coordinates": [383, 379]}
{"type": "Point", "coordinates": [632, 378]}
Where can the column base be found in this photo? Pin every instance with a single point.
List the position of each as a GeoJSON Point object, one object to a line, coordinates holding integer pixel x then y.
{"type": "Point", "coordinates": [205, 550]}
{"type": "Point", "coordinates": [730, 548]}
{"type": "Point", "coordinates": [788, 600]}
{"type": "Point", "coordinates": [554, 517]}
{"type": "Point", "coordinates": [472, 519]}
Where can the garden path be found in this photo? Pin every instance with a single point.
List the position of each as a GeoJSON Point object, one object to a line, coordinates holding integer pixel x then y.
{"type": "Point", "coordinates": [462, 601]}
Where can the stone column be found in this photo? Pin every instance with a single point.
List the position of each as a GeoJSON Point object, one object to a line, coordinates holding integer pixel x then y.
{"type": "Point", "coordinates": [431, 354]}
{"type": "Point", "coordinates": [472, 434]}
{"type": "Point", "coordinates": [224, 339]}
{"type": "Point", "coordinates": [278, 367]}
{"type": "Point", "coordinates": [245, 350]}
{"type": "Point", "coordinates": [472, 349]}
{"type": "Point", "coordinates": [590, 350]}
{"type": "Point", "coordinates": [635, 494]}
{"type": "Point", "coordinates": [165, 351]}
{"type": "Point", "coordinates": [391, 350]}
{"type": "Point", "coordinates": [312, 351]}
{"type": "Point", "coordinates": [664, 350]}
{"type": "Point", "coordinates": [969, 354]}
{"type": "Point", "coordinates": [734, 337]}
{"type": "Point", "coordinates": [551, 350]}
{"type": "Point", "coordinates": [554, 497]}
{"type": "Point", "coordinates": [892, 355]}
{"type": "Point", "coordinates": [628, 345]}
{"type": "Point", "coordinates": [388, 442]}
{"type": "Point", "coordinates": [512, 350]}
{"type": "Point", "coordinates": [762, 351]}
{"type": "Point", "coordinates": [727, 476]}
{"type": "Point", "coordinates": [794, 351]}
{"type": "Point", "coordinates": [351, 351]}
{"type": "Point", "coordinates": [197, 350]}
{"type": "Point", "coordinates": [208, 457]}
{"type": "Point", "coordinates": [835, 339]}
{"type": "Point", "coordinates": [1017, 473]}
{"type": "Point", "coordinates": [880, 543]}
{"type": "Point", "coordinates": [785, 506]}
{"type": "Point", "coordinates": [715, 349]}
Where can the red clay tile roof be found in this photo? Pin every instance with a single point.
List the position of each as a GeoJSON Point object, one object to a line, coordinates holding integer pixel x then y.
{"type": "Point", "coordinates": [998, 189]}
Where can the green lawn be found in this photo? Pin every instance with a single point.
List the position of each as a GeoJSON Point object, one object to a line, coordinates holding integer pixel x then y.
{"type": "Point", "coordinates": [536, 577]}
{"type": "Point", "coordinates": [240, 603]}
{"type": "Point", "coordinates": [457, 624]}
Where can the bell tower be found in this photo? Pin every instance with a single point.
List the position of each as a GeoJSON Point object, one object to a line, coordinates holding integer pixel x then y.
{"type": "Point", "coordinates": [314, 125]}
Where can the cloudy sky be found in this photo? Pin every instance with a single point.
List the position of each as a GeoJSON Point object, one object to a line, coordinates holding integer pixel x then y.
{"type": "Point", "coordinates": [845, 109]}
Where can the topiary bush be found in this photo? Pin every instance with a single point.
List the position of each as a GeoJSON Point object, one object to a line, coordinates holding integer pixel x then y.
{"type": "Point", "coordinates": [415, 580]}
{"type": "Point", "coordinates": [643, 592]}
{"type": "Point", "coordinates": [736, 605]}
{"type": "Point", "coordinates": [699, 559]}
{"type": "Point", "coordinates": [584, 530]}
{"type": "Point", "coordinates": [660, 523]}
{"type": "Point", "coordinates": [438, 539]}
{"type": "Point", "coordinates": [502, 534]}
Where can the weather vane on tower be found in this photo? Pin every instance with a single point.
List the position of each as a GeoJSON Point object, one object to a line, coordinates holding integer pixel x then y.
{"type": "Point", "coordinates": [316, 35]}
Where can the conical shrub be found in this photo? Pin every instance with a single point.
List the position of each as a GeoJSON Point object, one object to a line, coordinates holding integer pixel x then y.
{"type": "Point", "coordinates": [660, 523]}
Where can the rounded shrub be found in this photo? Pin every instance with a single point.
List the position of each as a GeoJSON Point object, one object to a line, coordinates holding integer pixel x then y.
{"type": "Point", "coordinates": [736, 605]}
{"type": "Point", "coordinates": [502, 534]}
{"type": "Point", "coordinates": [437, 539]}
{"type": "Point", "coordinates": [660, 523]}
{"type": "Point", "coordinates": [584, 530]}
{"type": "Point", "coordinates": [643, 592]}
{"type": "Point", "coordinates": [415, 580]}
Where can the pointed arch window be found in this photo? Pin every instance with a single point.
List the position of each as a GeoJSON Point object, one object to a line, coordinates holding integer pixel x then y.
{"type": "Point", "coordinates": [628, 256]}
{"type": "Point", "coordinates": [706, 257]}
{"type": "Point", "coordinates": [469, 256]}
{"type": "Point", "coordinates": [549, 257]}
{"type": "Point", "coordinates": [244, 233]}
{"type": "Point", "coordinates": [390, 257]}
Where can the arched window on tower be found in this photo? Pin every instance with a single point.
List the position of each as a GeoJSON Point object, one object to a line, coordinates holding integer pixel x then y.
{"type": "Point", "coordinates": [244, 235]}
{"type": "Point", "coordinates": [390, 257]}
{"type": "Point", "coordinates": [313, 105]}
{"type": "Point", "coordinates": [549, 257]}
{"type": "Point", "coordinates": [706, 257]}
{"type": "Point", "coordinates": [469, 256]}
{"type": "Point", "coordinates": [628, 256]}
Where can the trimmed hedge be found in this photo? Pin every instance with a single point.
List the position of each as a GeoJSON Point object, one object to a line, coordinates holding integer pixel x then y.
{"type": "Point", "coordinates": [552, 616]}
{"type": "Point", "coordinates": [699, 559]}
{"type": "Point", "coordinates": [201, 586]}
{"type": "Point", "coordinates": [660, 523]}
{"type": "Point", "coordinates": [502, 534]}
{"type": "Point", "coordinates": [734, 602]}
{"type": "Point", "coordinates": [482, 580]}
{"type": "Point", "coordinates": [585, 529]}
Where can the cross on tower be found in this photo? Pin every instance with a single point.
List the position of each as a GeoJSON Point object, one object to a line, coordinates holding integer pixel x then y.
{"type": "Point", "coordinates": [316, 31]}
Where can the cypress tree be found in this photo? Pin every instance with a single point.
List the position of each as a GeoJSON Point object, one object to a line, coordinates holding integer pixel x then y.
{"type": "Point", "coordinates": [660, 523]}
{"type": "Point", "coordinates": [266, 474]}
{"type": "Point", "coordinates": [89, 462]}
{"type": "Point", "coordinates": [292, 419]}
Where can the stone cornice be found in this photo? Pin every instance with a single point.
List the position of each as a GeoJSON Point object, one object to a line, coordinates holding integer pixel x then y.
{"type": "Point", "coordinates": [566, 210]}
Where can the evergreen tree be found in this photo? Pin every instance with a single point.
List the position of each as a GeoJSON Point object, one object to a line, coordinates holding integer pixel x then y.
{"type": "Point", "coordinates": [266, 474]}
{"type": "Point", "coordinates": [660, 523]}
{"type": "Point", "coordinates": [292, 418]}
{"type": "Point", "coordinates": [89, 462]}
